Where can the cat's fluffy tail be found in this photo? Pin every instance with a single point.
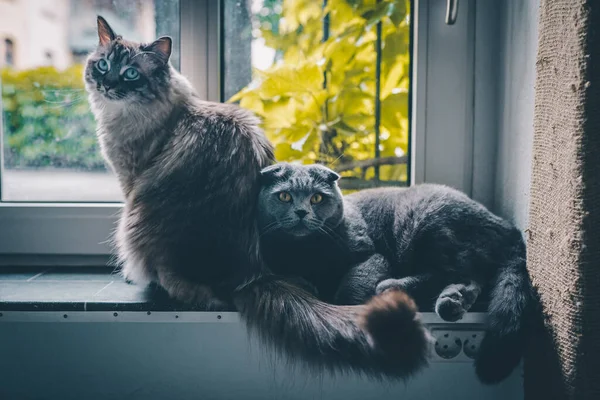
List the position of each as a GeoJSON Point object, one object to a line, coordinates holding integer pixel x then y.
{"type": "Point", "coordinates": [510, 306]}
{"type": "Point", "coordinates": [381, 339]}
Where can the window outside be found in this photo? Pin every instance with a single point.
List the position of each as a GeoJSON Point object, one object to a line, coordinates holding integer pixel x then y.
{"type": "Point", "coordinates": [330, 80]}
{"type": "Point", "coordinates": [50, 152]}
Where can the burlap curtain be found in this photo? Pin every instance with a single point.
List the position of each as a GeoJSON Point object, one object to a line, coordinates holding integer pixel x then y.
{"type": "Point", "coordinates": [564, 231]}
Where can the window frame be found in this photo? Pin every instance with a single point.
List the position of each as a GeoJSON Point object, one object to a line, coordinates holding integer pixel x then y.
{"type": "Point", "coordinates": [6, 42]}
{"type": "Point", "coordinates": [443, 143]}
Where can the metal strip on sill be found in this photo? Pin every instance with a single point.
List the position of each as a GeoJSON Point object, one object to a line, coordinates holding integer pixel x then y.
{"type": "Point", "coordinates": [180, 317]}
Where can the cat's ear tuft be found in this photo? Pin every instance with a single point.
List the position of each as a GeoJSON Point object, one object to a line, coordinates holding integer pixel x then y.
{"type": "Point", "coordinates": [273, 173]}
{"type": "Point", "coordinates": [326, 173]}
{"type": "Point", "coordinates": [333, 176]}
{"type": "Point", "coordinates": [161, 47]}
{"type": "Point", "coordinates": [105, 32]}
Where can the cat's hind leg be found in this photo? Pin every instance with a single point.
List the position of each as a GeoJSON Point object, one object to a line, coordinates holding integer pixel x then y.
{"type": "Point", "coordinates": [456, 299]}
{"type": "Point", "coordinates": [359, 283]}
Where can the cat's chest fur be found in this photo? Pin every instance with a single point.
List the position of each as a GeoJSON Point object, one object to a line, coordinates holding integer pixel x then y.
{"type": "Point", "coordinates": [322, 259]}
{"type": "Point", "coordinates": [131, 140]}
{"type": "Point", "coordinates": [129, 157]}
{"type": "Point", "coordinates": [318, 260]}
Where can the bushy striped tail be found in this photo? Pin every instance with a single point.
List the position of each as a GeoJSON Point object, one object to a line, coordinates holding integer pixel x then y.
{"type": "Point", "coordinates": [381, 339]}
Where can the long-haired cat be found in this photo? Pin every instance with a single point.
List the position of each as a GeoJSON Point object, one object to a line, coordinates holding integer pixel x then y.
{"type": "Point", "coordinates": [189, 170]}
{"type": "Point", "coordinates": [429, 241]}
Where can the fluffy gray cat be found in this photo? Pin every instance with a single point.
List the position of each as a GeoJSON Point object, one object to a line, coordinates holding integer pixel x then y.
{"type": "Point", "coordinates": [189, 171]}
{"type": "Point", "coordinates": [430, 241]}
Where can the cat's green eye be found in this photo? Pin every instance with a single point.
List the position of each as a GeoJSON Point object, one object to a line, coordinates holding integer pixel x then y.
{"type": "Point", "coordinates": [103, 65]}
{"type": "Point", "coordinates": [285, 197]}
{"type": "Point", "coordinates": [131, 74]}
{"type": "Point", "coordinates": [316, 198]}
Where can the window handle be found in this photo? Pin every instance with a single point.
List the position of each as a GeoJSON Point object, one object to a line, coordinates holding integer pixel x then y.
{"type": "Point", "coordinates": [451, 11]}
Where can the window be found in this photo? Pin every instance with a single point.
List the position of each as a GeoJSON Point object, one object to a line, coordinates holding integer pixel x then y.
{"type": "Point", "coordinates": [9, 52]}
{"type": "Point", "coordinates": [57, 197]}
{"type": "Point", "coordinates": [50, 150]}
{"type": "Point", "coordinates": [49, 58]}
{"type": "Point", "coordinates": [330, 79]}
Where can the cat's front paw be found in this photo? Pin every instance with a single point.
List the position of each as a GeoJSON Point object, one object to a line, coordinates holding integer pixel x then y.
{"type": "Point", "coordinates": [392, 284]}
{"type": "Point", "coordinates": [128, 279]}
{"type": "Point", "coordinates": [449, 308]}
{"type": "Point", "coordinates": [120, 273]}
{"type": "Point", "coordinates": [454, 301]}
{"type": "Point", "coordinates": [135, 274]}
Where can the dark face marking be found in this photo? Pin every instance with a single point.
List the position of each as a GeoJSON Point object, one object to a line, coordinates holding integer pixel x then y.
{"type": "Point", "coordinates": [126, 71]}
{"type": "Point", "coordinates": [299, 201]}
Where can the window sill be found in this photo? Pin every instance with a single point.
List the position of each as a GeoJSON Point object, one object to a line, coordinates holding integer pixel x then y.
{"type": "Point", "coordinates": [86, 289]}
{"type": "Point", "coordinates": [77, 289]}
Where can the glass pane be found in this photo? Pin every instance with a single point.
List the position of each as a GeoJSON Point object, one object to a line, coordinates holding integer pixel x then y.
{"type": "Point", "coordinates": [330, 79]}
{"type": "Point", "coordinates": [50, 152]}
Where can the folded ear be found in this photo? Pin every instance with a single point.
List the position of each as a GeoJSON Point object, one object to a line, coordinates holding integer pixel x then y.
{"type": "Point", "coordinates": [273, 173]}
{"type": "Point", "coordinates": [105, 32]}
{"type": "Point", "coordinates": [325, 173]}
{"type": "Point", "coordinates": [161, 47]}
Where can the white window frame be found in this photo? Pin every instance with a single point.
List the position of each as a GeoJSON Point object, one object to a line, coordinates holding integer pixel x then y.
{"type": "Point", "coordinates": [444, 147]}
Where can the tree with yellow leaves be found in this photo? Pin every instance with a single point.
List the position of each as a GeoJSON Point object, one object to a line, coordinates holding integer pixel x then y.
{"type": "Point", "coordinates": [318, 101]}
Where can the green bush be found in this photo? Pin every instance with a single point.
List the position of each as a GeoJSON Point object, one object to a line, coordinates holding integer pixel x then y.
{"type": "Point", "coordinates": [47, 121]}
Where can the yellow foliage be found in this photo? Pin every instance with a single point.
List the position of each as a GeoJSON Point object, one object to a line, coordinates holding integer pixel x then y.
{"type": "Point", "coordinates": [317, 103]}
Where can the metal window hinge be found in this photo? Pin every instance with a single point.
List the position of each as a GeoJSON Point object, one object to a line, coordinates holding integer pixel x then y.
{"type": "Point", "coordinates": [451, 11]}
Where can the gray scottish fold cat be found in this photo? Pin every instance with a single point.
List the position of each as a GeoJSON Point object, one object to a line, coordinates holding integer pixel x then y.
{"type": "Point", "coordinates": [190, 174]}
{"type": "Point", "coordinates": [429, 241]}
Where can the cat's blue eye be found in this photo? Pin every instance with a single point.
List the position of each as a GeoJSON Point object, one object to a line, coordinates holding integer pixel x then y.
{"type": "Point", "coordinates": [131, 74]}
{"type": "Point", "coordinates": [103, 65]}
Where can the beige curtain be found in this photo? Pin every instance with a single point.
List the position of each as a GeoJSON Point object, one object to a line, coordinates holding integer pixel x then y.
{"type": "Point", "coordinates": [564, 232]}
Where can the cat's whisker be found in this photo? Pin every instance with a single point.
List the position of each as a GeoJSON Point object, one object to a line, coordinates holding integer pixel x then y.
{"type": "Point", "coordinates": [47, 91]}
{"type": "Point", "coordinates": [338, 242]}
{"type": "Point", "coordinates": [333, 233]}
{"type": "Point", "coordinates": [57, 106]}
{"type": "Point", "coordinates": [336, 160]}
{"type": "Point", "coordinates": [270, 228]}
{"type": "Point", "coordinates": [145, 52]}
{"type": "Point", "coordinates": [62, 99]}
